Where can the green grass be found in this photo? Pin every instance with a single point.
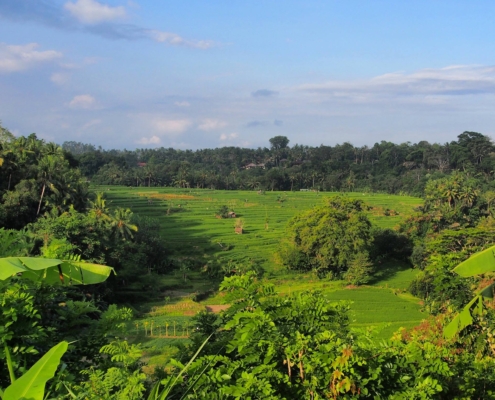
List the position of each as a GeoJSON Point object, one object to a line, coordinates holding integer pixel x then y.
{"type": "Point", "coordinates": [190, 229]}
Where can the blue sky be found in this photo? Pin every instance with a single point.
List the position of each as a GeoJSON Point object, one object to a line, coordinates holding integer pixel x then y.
{"type": "Point", "coordinates": [197, 74]}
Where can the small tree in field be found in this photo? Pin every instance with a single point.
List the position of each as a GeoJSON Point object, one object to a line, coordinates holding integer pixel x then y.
{"type": "Point", "coordinates": [327, 238]}
{"type": "Point", "coordinates": [223, 212]}
{"type": "Point", "coordinates": [360, 270]}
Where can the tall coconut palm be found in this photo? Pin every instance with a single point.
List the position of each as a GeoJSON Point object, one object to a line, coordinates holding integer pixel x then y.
{"type": "Point", "coordinates": [22, 149]}
{"type": "Point", "coordinates": [7, 162]}
{"type": "Point", "coordinates": [48, 168]}
{"type": "Point", "coordinates": [149, 172]}
{"type": "Point", "coordinates": [121, 224]}
{"type": "Point", "coordinates": [468, 194]}
{"type": "Point", "coordinates": [234, 173]}
{"type": "Point", "coordinates": [99, 208]}
{"type": "Point", "coordinates": [292, 178]}
{"type": "Point", "coordinates": [182, 175]}
{"type": "Point", "coordinates": [451, 193]}
{"type": "Point", "coordinates": [253, 184]}
{"type": "Point", "coordinates": [53, 150]}
{"type": "Point", "coordinates": [350, 181]}
{"type": "Point", "coordinates": [203, 175]}
{"type": "Point", "coordinates": [489, 198]}
{"type": "Point", "coordinates": [137, 174]}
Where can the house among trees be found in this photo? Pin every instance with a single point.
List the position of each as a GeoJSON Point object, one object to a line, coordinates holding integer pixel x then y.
{"type": "Point", "coordinates": [252, 165]}
{"type": "Point", "coordinates": [141, 164]}
{"type": "Point", "coordinates": [231, 214]}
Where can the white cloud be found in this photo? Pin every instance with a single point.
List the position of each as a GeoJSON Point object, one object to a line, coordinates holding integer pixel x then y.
{"type": "Point", "coordinates": [176, 40]}
{"type": "Point", "coordinates": [170, 126]}
{"type": "Point", "coordinates": [15, 58]}
{"type": "Point", "coordinates": [68, 66]}
{"type": "Point", "coordinates": [182, 103]}
{"type": "Point", "coordinates": [93, 12]}
{"type": "Point", "coordinates": [83, 101]}
{"type": "Point", "coordinates": [60, 78]}
{"type": "Point", "coordinates": [91, 123]}
{"type": "Point", "coordinates": [90, 60]}
{"type": "Point", "coordinates": [232, 136]}
{"type": "Point", "coordinates": [454, 80]}
{"type": "Point", "coordinates": [211, 124]}
{"type": "Point", "coordinates": [151, 140]}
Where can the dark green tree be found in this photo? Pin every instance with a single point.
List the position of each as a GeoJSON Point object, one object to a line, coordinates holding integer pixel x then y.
{"type": "Point", "coordinates": [327, 238]}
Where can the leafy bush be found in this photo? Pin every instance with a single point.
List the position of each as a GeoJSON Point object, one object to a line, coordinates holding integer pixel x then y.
{"type": "Point", "coordinates": [360, 270]}
{"type": "Point", "coordinates": [299, 346]}
{"type": "Point", "coordinates": [326, 238]}
{"type": "Point", "coordinates": [223, 211]}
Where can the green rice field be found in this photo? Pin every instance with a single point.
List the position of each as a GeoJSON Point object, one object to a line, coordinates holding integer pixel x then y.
{"type": "Point", "coordinates": [190, 229]}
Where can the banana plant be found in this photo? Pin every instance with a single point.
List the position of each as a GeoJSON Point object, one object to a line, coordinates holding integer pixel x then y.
{"type": "Point", "coordinates": [54, 271]}
{"type": "Point", "coordinates": [31, 385]}
{"type": "Point", "coordinates": [477, 264]}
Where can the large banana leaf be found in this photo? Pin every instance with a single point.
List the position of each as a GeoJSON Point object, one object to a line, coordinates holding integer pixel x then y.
{"type": "Point", "coordinates": [477, 264]}
{"type": "Point", "coordinates": [31, 385]}
{"type": "Point", "coordinates": [488, 292]}
{"type": "Point", "coordinates": [463, 319]}
{"type": "Point", "coordinates": [55, 272]}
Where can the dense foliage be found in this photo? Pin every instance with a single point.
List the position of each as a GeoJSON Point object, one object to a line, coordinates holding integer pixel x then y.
{"type": "Point", "coordinates": [273, 347]}
{"type": "Point", "coordinates": [36, 177]}
{"type": "Point", "coordinates": [328, 238]}
{"type": "Point", "coordinates": [264, 345]}
{"type": "Point", "coordinates": [386, 166]}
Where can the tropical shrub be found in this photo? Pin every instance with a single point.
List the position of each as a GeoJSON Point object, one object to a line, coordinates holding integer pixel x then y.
{"type": "Point", "coordinates": [326, 238]}
{"type": "Point", "coordinates": [300, 346]}
{"type": "Point", "coordinates": [360, 270]}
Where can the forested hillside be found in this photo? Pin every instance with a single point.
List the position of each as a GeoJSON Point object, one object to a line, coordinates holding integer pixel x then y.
{"type": "Point", "coordinates": [386, 166]}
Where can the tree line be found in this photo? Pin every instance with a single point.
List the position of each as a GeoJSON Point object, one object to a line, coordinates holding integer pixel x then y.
{"type": "Point", "coordinates": [383, 167]}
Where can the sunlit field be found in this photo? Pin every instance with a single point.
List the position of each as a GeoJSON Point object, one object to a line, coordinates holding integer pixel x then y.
{"type": "Point", "coordinates": [191, 229]}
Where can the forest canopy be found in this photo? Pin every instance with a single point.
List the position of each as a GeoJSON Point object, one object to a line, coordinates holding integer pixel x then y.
{"type": "Point", "coordinates": [385, 166]}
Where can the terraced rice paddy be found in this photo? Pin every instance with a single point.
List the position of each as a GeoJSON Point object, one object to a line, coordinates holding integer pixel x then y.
{"type": "Point", "coordinates": [191, 230]}
{"type": "Point", "coordinates": [189, 226]}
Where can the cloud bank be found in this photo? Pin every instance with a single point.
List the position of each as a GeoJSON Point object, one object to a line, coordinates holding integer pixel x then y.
{"type": "Point", "coordinates": [212, 124]}
{"type": "Point", "coordinates": [15, 58]}
{"type": "Point", "coordinates": [92, 12]}
{"type": "Point", "coordinates": [82, 101]}
{"type": "Point", "coordinates": [92, 17]}
{"type": "Point", "coordinates": [458, 80]}
{"type": "Point", "coordinates": [151, 140]}
{"type": "Point", "coordinates": [232, 136]}
{"type": "Point", "coordinates": [170, 126]}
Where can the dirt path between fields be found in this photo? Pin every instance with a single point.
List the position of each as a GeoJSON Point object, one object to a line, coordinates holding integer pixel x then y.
{"type": "Point", "coordinates": [217, 308]}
